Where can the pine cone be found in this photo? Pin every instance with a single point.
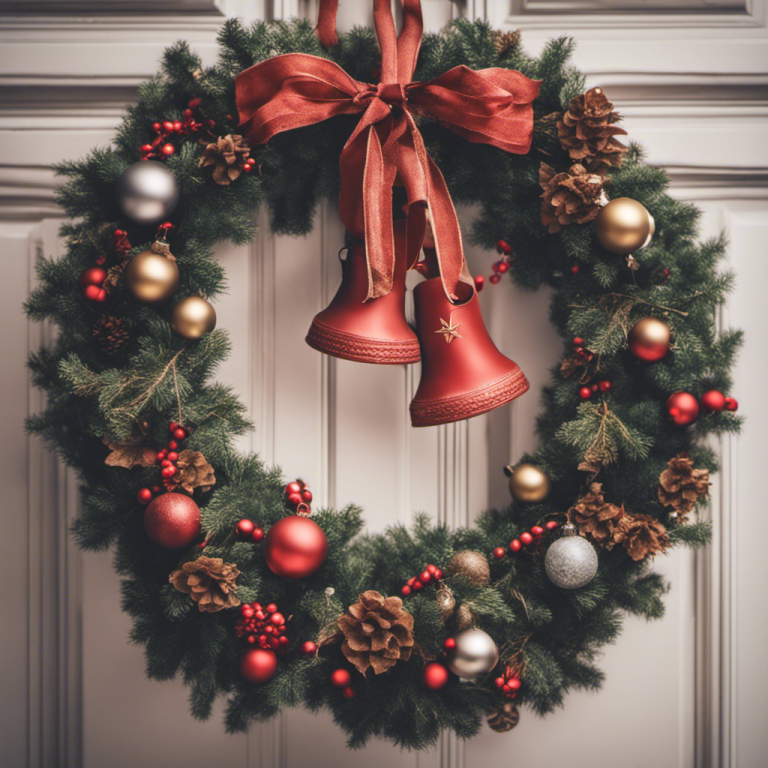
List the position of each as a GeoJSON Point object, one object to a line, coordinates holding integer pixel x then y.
{"type": "Point", "coordinates": [643, 535]}
{"type": "Point", "coordinates": [587, 131]}
{"type": "Point", "coordinates": [227, 154]}
{"type": "Point", "coordinates": [681, 486]}
{"type": "Point", "coordinates": [192, 471]}
{"type": "Point", "coordinates": [111, 334]}
{"type": "Point", "coordinates": [505, 41]}
{"type": "Point", "coordinates": [573, 196]}
{"type": "Point", "coordinates": [377, 632]}
{"type": "Point", "coordinates": [210, 581]}
{"type": "Point", "coordinates": [505, 718]}
{"type": "Point", "coordinates": [597, 519]}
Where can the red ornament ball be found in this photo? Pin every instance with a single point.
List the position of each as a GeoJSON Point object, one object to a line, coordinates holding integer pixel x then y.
{"type": "Point", "coordinates": [435, 676]}
{"type": "Point", "coordinates": [682, 408]}
{"type": "Point", "coordinates": [515, 545]}
{"type": "Point", "coordinates": [257, 535]}
{"type": "Point", "coordinates": [713, 401]}
{"type": "Point", "coordinates": [172, 520]}
{"type": "Point", "coordinates": [449, 644]}
{"type": "Point", "coordinates": [258, 665]}
{"type": "Point", "coordinates": [308, 649]}
{"type": "Point", "coordinates": [179, 433]}
{"type": "Point", "coordinates": [585, 393]}
{"type": "Point", "coordinates": [499, 552]}
{"type": "Point", "coordinates": [145, 495]}
{"type": "Point", "coordinates": [245, 528]}
{"type": "Point", "coordinates": [295, 547]}
{"type": "Point", "coordinates": [93, 276]}
{"type": "Point", "coordinates": [649, 339]}
{"type": "Point", "coordinates": [405, 591]}
{"type": "Point", "coordinates": [731, 404]}
{"type": "Point", "coordinates": [340, 678]}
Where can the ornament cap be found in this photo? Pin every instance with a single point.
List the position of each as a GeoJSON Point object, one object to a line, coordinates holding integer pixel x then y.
{"type": "Point", "coordinates": [569, 529]}
{"type": "Point", "coordinates": [509, 470]}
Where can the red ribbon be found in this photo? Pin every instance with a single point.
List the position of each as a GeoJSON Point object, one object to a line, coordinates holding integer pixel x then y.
{"type": "Point", "coordinates": [488, 106]}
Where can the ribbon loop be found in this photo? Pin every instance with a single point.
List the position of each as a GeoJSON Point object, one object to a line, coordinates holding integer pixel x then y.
{"type": "Point", "coordinates": [490, 106]}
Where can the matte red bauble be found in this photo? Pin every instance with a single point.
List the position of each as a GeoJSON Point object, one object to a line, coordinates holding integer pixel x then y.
{"type": "Point", "coordinates": [713, 401]}
{"type": "Point", "coordinates": [649, 339]}
{"type": "Point", "coordinates": [682, 408]}
{"type": "Point", "coordinates": [172, 520]}
{"type": "Point", "coordinates": [295, 547]}
{"type": "Point", "coordinates": [258, 666]}
{"type": "Point", "coordinates": [435, 676]}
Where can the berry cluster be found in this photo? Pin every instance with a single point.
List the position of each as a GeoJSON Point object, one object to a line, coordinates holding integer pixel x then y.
{"type": "Point", "coordinates": [502, 265]}
{"type": "Point", "coordinates": [340, 678]}
{"type": "Point", "coordinates": [417, 583]}
{"type": "Point", "coordinates": [246, 529]}
{"type": "Point", "coordinates": [509, 683]}
{"type": "Point", "coordinates": [263, 627]}
{"type": "Point", "coordinates": [526, 539]}
{"type": "Point", "coordinates": [714, 401]}
{"type": "Point", "coordinates": [92, 284]}
{"type": "Point", "coordinates": [586, 392]}
{"type": "Point", "coordinates": [298, 496]}
{"type": "Point", "coordinates": [194, 122]}
{"type": "Point", "coordinates": [167, 459]}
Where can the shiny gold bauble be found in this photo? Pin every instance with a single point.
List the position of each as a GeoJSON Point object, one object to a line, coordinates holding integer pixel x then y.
{"type": "Point", "coordinates": [473, 565]}
{"type": "Point", "coordinates": [151, 277]}
{"type": "Point", "coordinates": [475, 654]}
{"type": "Point", "coordinates": [624, 226]}
{"type": "Point", "coordinates": [193, 317]}
{"type": "Point", "coordinates": [649, 339]}
{"type": "Point", "coordinates": [527, 482]}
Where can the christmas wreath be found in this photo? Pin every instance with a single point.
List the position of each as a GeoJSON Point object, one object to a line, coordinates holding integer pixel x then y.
{"type": "Point", "coordinates": [230, 576]}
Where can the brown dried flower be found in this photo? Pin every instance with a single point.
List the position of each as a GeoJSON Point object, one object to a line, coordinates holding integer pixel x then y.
{"type": "Point", "coordinates": [681, 486]}
{"type": "Point", "coordinates": [192, 471]}
{"type": "Point", "coordinates": [228, 155]}
{"type": "Point", "coordinates": [377, 631]}
{"type": "Point", "coordinates": [587, 131]}
{"type": "Point", "coordinates": [570, 197]}
{"type": "Point", "coordinates": [597, 519]}
{"type": "Point", "coordinates": [643, 536]}
{"type": "Point", "coordinates": [210, 582]}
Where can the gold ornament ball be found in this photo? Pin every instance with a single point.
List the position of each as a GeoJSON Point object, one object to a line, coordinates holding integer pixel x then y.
{"type": "Point", "coordinates": [623, 226]}
{"type": "Point", "coordinates": [475, 654]}
{"type": "Point", "coordinates": [473, 565]}
{"type": "Point", "coordinates": [528, 483]}
{"type": "Point", "coordinates": [151, 277]}
{"type": "Point", "coordinates": [193, 317]}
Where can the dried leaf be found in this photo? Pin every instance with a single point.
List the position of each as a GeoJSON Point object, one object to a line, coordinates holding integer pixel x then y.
{"type": "Point", "coordinates": [130, 453]}
{"type": "Point", "coordinates": [192, 471]}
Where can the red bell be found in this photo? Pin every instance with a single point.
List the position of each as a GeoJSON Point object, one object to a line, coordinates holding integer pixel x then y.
{"type": "Point", "coordinates": [373, 331]}
{"type": "Point", "coordinates": [463, 373]}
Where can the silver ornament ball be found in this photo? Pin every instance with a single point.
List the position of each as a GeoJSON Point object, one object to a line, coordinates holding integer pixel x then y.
{"type": "Point", "coordinates": [147, 192]}
{"type": "Point", "coordinates": [570, 562]}
{"type": "Point", "coordinates": [475, 654]}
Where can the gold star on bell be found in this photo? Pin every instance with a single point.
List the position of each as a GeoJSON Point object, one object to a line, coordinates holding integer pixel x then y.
{"type": "Point", "coordinates": [449, 330]}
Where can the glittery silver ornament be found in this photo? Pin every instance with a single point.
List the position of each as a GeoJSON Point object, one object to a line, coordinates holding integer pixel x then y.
{"type": "Point", "coordinates": [570, 562]}
{"type": "Point", "coordinates": [147, 192]}
{"type": "Point", "coordinates": [475, 654]}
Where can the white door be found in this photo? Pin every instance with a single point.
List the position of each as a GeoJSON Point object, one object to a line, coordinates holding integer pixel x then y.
{"type": "Point", "coordinates": [690, 690]}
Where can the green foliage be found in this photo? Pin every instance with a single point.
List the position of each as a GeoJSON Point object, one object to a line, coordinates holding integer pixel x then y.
{"type": "Point", "coordinates": [555, 636]}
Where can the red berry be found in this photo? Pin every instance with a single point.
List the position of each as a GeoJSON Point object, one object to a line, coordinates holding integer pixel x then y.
{"type": "Point", "coordinates": [432, 569]}
{"type": "Point", "coordinates": [271, 608]}
{"type": "Point", "coordinates": [244, 528]}
{"type": "Point", "coordinates": [514, 683]}
{"type": "Point", "coordinates": [435, 676]}
{"type": "Point", "coordinates": [551, 525]}
{"type": "Point", "coordinates": [277, 619]}
{"type": "Point", "coordinates": [515, 545]}
{"type": "Point", "coordinates": [92, 292]}
{"type": "Point", "coordinates": [575, 269]}
{"type": "Point", "coordinates": [173, 426]}
{"type": "Point", "coordinates": [499, 552]}
{"type": "Point", "coordinates": [449, 644]}
{"type": "Point", "coordinates": [173, 456]}
{"type": "Point", "coordinates": [260, 615]}
{"type": "Point", "coordinates": [526, 538]}
{"type": "Point", "coordinates": [145, 495]}
{"type": "Point", "coordinates": [537, 530]}
{"type": "Point", "coordinates": [495, 278]}
{"type": "Point", "coordinates": [340, 678]}
{"type": "Point", "coordinates": [308, 648]}
{"type": "Point", "coordinates": [293, 488]}
{"type": "Point", "coordinates": [731, 404]}
{"type": "Point", "coordinates": [294, 499]}
{"type": "Point", "coordinates": [156, 127]}
{"type": "Point", "coordinates": [168, 126]}
{"type": "Point", "coordinates": [499, 681]}
{"type": "Point", "coordinates": [425, 577]}
{"type": "Point", "coordinates": [593, 387]}
{"type": "Point", "coordinates": [306, 496]}
{"type": "Point", "coordinates": [166, 463]}
{"type": "Point", "coordinates": [247, 167]}
{"type": "Point", "coordinates": [585, 393]}
{"type": "Point", "coordinates": [195, 103]}
{"type": "Point", "coordinates": [604, 385]}
{"type": "Point", "coordinates": [156, 489]}
{"type": "Point", "coordinates": [168, 149]}
{"type": "Point", "coordinates": [504, 246]}
{"type": "Point", "coordinates": [161, 455]}
{"type": "Point", "coordinates": [257, 535]}
{"type": "Point", "coordinates": [172, 445]}
{"type": "Point", "coordinates": [502, 267]}
{"type": "Point", "coordinates": [505, 688]}
{"type": "Point", "coordinates": [101, 295]}
{"type": "Point", "coordinates": [246, 610]}
{"type": "Point", "coordinates": [145, 149]}
{"type": "Point", "coordinates": [180, 433]}
{"type": "Point", "coordinates": [187, 114]}
{"type": "Point", "coordinates": [168, 471]}
{"type": "Point", "coordinates": [438, 574]}
{"type": "Point", "coordinates": [348, 693]}
{"type": "Point", "coordinates": [405, 591]}
{"type": "Point", "coordinates": [177, 125]}
{"type": "Point", "coordinates": [417, 585]}
{"type": "Point", "coordinates": [577, 341]}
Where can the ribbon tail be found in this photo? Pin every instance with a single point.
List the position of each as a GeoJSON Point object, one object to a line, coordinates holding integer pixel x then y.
{"type": "Point", "coordinates": [326, 23]}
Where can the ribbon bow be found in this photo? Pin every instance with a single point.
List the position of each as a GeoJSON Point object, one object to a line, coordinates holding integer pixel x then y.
{"type": "Point", "coordinates": [489, 106]}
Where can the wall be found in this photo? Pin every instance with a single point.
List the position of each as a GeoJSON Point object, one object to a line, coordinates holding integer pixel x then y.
{"type": "Point", "coordinates": [689, 690]}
